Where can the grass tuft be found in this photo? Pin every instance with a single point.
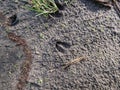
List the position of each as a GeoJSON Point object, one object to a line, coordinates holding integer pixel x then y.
{"type": "Point", "coordinates": [44, 7]}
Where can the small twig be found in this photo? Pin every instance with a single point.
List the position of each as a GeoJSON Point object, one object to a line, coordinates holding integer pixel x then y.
{"type": "Point", "coordinates": [74, 61]}
{"type": "Point", "coordinates": [66, 65]}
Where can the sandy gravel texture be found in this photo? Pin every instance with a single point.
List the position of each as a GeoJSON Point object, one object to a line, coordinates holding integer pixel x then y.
{"type": "Point", "coordinates": [87, 29]}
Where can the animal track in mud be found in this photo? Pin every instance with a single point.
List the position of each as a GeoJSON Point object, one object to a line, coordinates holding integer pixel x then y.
{"type": "Point", "coordinates": [57, 14]}
{"type": "Point", "coordinates": [62, 46]}
{"type": "Point", "coordinates": [60, 4]}
{"type": "Point", "coordinates": [110, 3]}
{"type": "Point", "coordinates": [10, 20]}
{"type": "Point", "coordinates": [106, 3]}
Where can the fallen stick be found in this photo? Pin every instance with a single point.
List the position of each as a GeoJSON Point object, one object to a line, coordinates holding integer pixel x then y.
{"type": "Point", "coordinates": [74, 61]}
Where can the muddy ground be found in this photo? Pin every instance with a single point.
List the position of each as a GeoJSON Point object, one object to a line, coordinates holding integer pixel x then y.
{"type": "Point", "coordinates": [87, 29]}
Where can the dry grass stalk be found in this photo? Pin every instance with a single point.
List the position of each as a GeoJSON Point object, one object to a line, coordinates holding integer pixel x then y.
{"type": "Point", "coordinates": [74, 61]}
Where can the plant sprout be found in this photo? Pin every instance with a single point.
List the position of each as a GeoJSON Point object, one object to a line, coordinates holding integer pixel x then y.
{"type": "Point", "coordinates": [44, 7]}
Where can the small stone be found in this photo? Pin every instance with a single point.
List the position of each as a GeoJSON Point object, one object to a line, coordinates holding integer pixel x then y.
{"type": "Point", "coordinates": [37, 52]}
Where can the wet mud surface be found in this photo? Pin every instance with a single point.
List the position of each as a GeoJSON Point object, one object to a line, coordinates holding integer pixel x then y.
{"type": "Point", "coordinates": [85, 29]}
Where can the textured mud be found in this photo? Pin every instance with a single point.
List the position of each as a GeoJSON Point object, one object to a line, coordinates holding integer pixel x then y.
{"type": "Point", "coordinates": [85, 29]}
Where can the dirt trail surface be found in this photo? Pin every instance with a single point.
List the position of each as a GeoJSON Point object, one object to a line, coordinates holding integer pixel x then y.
{"type": "Point", "coordinates": [86, 29]}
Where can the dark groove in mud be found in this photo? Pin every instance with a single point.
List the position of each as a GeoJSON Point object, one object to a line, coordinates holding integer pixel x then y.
{"type": "Point", "coordinates": [65, 44]}
{"type": "Point", "coordinates": [12, 20]}
{"type": "Point", "coordinates": [109, 4]}
{"type": "Point", "coordinates": [26, 65]}
{"type": "Point", "coordinates": [116, 7]}
{"type": "Point", "coordinates": [62, 46]}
